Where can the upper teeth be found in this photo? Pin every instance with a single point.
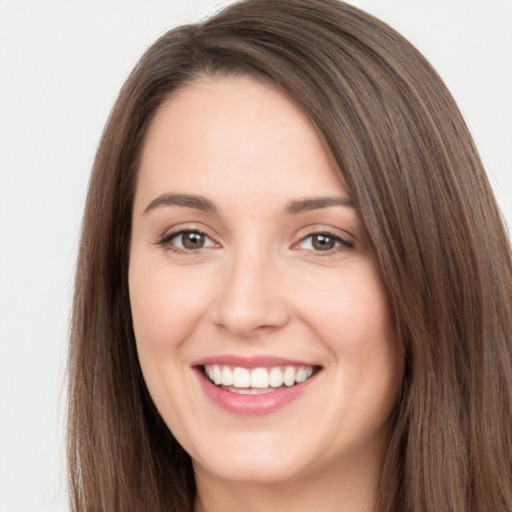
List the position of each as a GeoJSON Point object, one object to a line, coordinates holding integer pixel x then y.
{"type": "Point", "coordinates": [258, 377]}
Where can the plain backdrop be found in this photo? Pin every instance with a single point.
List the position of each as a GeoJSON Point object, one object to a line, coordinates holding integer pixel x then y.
{"type": "Point", "coordinates": [61, 66]}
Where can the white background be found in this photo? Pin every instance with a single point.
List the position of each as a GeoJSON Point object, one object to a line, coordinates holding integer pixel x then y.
{"type": "Point", "coordinates": [61, 66]}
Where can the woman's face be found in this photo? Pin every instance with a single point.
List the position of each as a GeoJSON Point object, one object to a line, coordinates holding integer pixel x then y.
{"type": "Point", "coordinates": [249, 267]}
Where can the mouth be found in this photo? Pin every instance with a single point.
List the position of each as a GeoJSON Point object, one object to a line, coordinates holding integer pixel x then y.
{"type": "Point", "coordinates": [256, 381]}
{"type": "Point", "coordinates": [254, 386]}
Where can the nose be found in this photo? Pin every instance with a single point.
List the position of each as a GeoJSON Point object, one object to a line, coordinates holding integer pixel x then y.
{"type": "Point", "coordinates": [250, 298]}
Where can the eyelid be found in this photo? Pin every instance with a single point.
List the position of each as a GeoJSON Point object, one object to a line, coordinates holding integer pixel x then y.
{"type": "Point", "coordinates": [165, 239]}
{"type": "Point", "coordinates": [343, 243]}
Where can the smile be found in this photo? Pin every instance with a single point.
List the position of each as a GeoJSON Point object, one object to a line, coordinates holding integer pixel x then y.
{"type": "Point", "coordinates": [249, 386]}
{"type": "Point", "coordinates": [257, 380]}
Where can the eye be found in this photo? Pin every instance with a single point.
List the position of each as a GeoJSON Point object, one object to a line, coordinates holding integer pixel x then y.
{"type": "Point", "coordinates": [323, 242]}
{"type": "Point", "coordinates": [187, 240]}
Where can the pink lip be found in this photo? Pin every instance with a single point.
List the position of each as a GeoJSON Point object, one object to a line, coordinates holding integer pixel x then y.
{"type": "Point", "coordinates": [252, 405]}
{"type": "Point", "coordinates": [250, 362]}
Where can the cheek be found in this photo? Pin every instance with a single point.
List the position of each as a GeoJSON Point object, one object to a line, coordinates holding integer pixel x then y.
{"type": "Point", "coordinates": [367, 355]}
{"type": "Point", "coordinates": [354, 320]}
{"type": "Point", "coordinates": [165, 308]}
{"type": "Point", "coordinates": [351, 311]}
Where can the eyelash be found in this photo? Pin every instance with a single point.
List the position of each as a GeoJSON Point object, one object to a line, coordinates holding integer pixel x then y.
{"type": "Point", "coordinates": [166, 242]}
{"type": "Point", "coordinates": [342, 243]}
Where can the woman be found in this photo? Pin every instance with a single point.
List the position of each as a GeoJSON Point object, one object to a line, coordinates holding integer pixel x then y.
{"type": "Point", "coordinates": [294, 286]}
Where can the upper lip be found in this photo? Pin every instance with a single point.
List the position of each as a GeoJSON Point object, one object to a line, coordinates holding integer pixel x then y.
{"type": "Point", "coordinates": [262, 361]}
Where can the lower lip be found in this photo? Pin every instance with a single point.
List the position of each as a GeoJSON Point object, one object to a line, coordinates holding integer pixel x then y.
{"type": "Point", "coordinates": [253, 405]}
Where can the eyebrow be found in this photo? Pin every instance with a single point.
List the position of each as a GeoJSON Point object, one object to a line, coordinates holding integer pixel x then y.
{"type": "Point", "coordinates": [201, 203]}
{"type": "Point", "coordinates": [184, 200]}
{"type": "Point", "coordinates": [316, 203]}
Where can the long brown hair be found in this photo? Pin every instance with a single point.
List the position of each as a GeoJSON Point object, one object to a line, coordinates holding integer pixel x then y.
{"type": "Point", "coordinates": [412, 170]}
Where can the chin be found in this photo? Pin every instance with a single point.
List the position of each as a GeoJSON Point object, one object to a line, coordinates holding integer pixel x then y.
{"type": "Point", "coordinates": [254, 469]}
{"type": "Point", "coordinates": [261, 458]}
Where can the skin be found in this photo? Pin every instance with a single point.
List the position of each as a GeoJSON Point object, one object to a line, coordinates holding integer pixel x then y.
{"type": "Point", "coordinates": [259, 286]}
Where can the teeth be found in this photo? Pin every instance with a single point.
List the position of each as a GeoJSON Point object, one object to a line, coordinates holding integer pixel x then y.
{"type": "Point", "coordinates": [258, 378]}
{"type": "Point", "coordinates": [276, 377]}
{"type": "Point", "coordinates": [249, 391]}
{"type": "Point", "coordinates": [241, 378]}
{"type": "Point", "coordinates": [217, 375]}
{"type": "Point", "coordinates": [303, 374]}
{"type": "Point", "coordinates": [227, 376]}
{"type": "Point", "coordinates": [289, 376]}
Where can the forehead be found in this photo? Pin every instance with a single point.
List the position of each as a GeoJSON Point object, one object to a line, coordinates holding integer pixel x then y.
{"type": "Point", "coordinates": [221, 135]}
